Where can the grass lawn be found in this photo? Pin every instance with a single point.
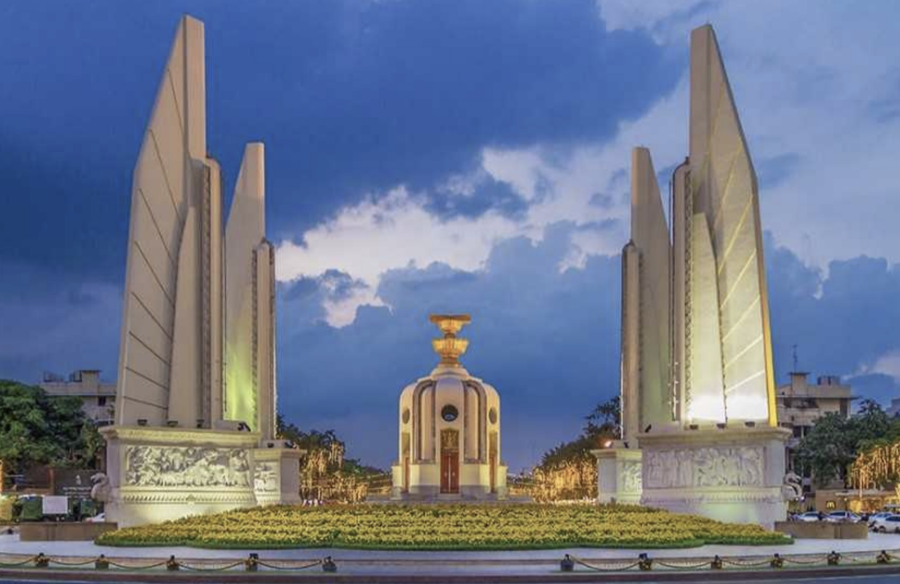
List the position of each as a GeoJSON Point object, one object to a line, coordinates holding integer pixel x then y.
{"type": "Point", "coordinates": [443, 527]}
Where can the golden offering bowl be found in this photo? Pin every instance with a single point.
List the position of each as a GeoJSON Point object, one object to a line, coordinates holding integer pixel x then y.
{"type": "Point", "coordinates": [450, 348]}
{"type": "Point", "coordinates": [450, 324]}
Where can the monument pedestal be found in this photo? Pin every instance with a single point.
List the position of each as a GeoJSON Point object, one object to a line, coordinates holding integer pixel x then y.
{"type": "Point", "coordinates": [277, 475]}
{"type": "Point", "coordinates": [618, 475]}
{"type": "Point", "coordinates": [157, 474]}
{"type": "Point", "coordinates": [732, 474]}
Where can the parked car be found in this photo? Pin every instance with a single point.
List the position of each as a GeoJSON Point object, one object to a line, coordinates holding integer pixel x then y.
{"type": "Point", "coordinates": [889, 524]}
{"type": "Point", "coordinates": [875, 516]}
{"type": "Point", "coordinates": [843, 516]}
{"type": "Point", "coordinates": [809, 517]}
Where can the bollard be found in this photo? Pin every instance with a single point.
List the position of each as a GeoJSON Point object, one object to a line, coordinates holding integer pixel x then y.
{"type": "Point", "coordinates": [834, 558]}
{"type": "Point", "coordinates": [172, 564]}
{"type": "Point", "coordinates": [716, 563]}
{"type": "Point", "coordinates": [645, 563]}
{"type": "Point", "coordinates": [41, 561]}
{"type": "Point", "coordinates": [567, 564]}
{"type": "Point", "coordinates": [251, 564]}
{"type": "Point", "coordinates": [328, 565]}
{"type": "Point", "coordinates": [883, 558]}
{"type": "Point", "coordinates": [101, 563]}
{"type": "Point", "coordinates": [777, 562]}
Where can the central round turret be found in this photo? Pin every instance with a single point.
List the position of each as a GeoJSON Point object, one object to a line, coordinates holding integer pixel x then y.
{"type": "Point", "coordinates": [449, 430]}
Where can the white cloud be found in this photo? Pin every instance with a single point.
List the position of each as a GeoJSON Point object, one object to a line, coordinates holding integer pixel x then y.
{"type": "Point", "coordinates": [887, 364]}
{"type": "Point", "coordinates": [367, 239]}
{"type": "Point", "coordinates": [808, 78]}
{"type": "Point", "coordinates": [650, 15]}
{"type": "Point", "coordinates": [803, 92]}
{"type": "Point", "coordinates": [396, 230]}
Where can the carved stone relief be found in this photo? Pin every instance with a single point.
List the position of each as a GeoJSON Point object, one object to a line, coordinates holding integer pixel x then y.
{"type": "Point", "coordinates": [266, 477]}
{"type": "Point", "coordinates": [186, 466]}
{"type": "Point", "coordinates": [705, 467]}
{"type": "Point", "coordinates": [631, 477]}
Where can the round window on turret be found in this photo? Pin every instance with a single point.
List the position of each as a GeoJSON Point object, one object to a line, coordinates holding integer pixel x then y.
{"type": "Point", "coordinates": [492, 415]}
{"type": "Point", "coordinates": [406, 415]}
{"type": "Point", "coordinates": [449, 413]}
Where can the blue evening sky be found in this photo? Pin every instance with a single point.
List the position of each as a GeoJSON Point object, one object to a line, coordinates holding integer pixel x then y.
{"type": "Point", "coordinates": [453, 156]}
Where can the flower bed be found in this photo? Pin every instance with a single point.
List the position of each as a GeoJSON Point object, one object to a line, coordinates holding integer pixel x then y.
{"type": "Point", "coordinates": [443, 527]}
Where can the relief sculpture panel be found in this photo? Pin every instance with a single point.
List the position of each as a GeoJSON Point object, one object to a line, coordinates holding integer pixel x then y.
{"type": "Point", "coordinates": [190, 466]}
{"type": "Point", "coordinates": [266, 479]}
{"type": "Point", "coordinates": [705, 467]}
{"type": "Point", "coordinates": [631, 477]}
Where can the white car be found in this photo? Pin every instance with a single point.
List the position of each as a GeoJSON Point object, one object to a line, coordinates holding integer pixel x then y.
{"type": "Point", "coordinates": [843, 517]}
{"type": "Point", "coordinates": [889, 524]}
{"type": "Point", "coordinates": [808, 517]}
{"type": "Point", "coordinates": [875, 516]}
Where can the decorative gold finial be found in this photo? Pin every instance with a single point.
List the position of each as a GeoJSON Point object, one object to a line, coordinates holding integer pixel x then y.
{"type": "Point", "coordinates": [450, 348]}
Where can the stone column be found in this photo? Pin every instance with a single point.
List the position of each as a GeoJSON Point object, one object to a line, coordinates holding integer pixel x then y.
{"type": "Point", "coordinates": [618, 474]}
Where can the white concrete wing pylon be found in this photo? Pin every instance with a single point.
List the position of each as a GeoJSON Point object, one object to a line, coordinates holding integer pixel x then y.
{"type": "Point", "coordinates": [171, 237]}
{"type": "Point", "coordinates": [646, 389]}
{"type": "Point", "coordinates": [249, 301]}
{"type": "Point", "coordinates": [726, 211]}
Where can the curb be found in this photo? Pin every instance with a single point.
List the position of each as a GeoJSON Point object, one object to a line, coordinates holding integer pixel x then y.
{"type": "Point", "coordinates": [86, 575]}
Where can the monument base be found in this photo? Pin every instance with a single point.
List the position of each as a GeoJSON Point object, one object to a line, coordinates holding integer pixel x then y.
{"type": "Point", "coordinates": [733, 474]}
{"type": "Point", "coordinates": [277, 475]}
{"type": "Point", "coordinates": [158, 474]}
{"type": "Point", "coordinates": [618, 474]}
{"type": "Point", "coordinates": [426, 483]}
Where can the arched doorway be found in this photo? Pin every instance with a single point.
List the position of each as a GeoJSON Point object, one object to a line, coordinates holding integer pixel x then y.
{"type": "Point", "coordinates": [449, 462]}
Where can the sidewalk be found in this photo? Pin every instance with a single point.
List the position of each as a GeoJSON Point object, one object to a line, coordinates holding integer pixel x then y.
{"type": "Point", "coordinates": [10, 545]}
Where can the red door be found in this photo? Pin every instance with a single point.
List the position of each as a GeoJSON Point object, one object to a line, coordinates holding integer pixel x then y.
{"type": "Point", "coordinates": [449, 461]}
{"type": "Point", "coordinates": [449, 472]}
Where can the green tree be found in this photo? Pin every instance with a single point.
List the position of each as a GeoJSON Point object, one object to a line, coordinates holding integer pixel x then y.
{"type": "Point", "coordinates": [324, 471]}
{"type": "Point", "coordinates": [834, 442]}
{"type": "Point", "coordinates": [38, 429]}
{"type": "Point", "coordinates": [605, 420]}
{"type": "Point", "coordinates": [569, 471]}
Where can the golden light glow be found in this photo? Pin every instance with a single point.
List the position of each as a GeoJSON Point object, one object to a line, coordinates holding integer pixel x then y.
{"type": "Point", "coordinates": [450, 347]}
{"type": "Point", "coordinates": [705, 408]}
{"type": "Point", "coordinates": [877, 467]}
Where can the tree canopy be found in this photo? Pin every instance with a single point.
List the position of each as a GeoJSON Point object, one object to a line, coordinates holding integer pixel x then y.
{"type": "Point", "coordinates": [834, 442]}
{"type": "Point", "coordinates": [325, 472]}
{"type": "Point", "coordinates": [38, 429]}
{"type": "Point", "coordinates": [569, 471]}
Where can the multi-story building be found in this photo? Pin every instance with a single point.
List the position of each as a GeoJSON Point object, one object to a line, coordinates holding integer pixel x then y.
{"type": "Point", "coordinates": [801, 404]}
{"type": "Point", "coordinates": [894, 409]}
{"type": "Point", "coordinates": [98, 398]}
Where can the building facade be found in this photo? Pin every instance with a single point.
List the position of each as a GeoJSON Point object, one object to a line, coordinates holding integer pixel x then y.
{"type": "Point", "coordinates": [98, 398]}
{"type": "Point", "coordinates": [801, 404]}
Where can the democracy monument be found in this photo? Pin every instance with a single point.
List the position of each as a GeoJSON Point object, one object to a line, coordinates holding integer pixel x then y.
{"type": "Point", "coordinates": [196, 392]}
{"type": "Point", "coordinates": [449, 442]}
{"type": "Point", "coordinates": [700, 433]}
{"type": "Point", "coordinates": [195, 420]}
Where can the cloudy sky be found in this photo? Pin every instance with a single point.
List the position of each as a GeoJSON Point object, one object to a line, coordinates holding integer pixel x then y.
{"type": "Point", "coordinates": [458, 156]}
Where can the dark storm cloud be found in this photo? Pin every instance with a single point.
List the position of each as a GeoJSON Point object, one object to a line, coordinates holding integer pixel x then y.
{"type": "Point", "coordinates": [349, 96]}
{"type": "Point", "coordinates": [352, 97]}
{"type": "Point", "coordinates": [56, 321]}
{"type": "Point", "coordinates": [487, 195]}
{"type": "Point", "coordinates": [549, 341]}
